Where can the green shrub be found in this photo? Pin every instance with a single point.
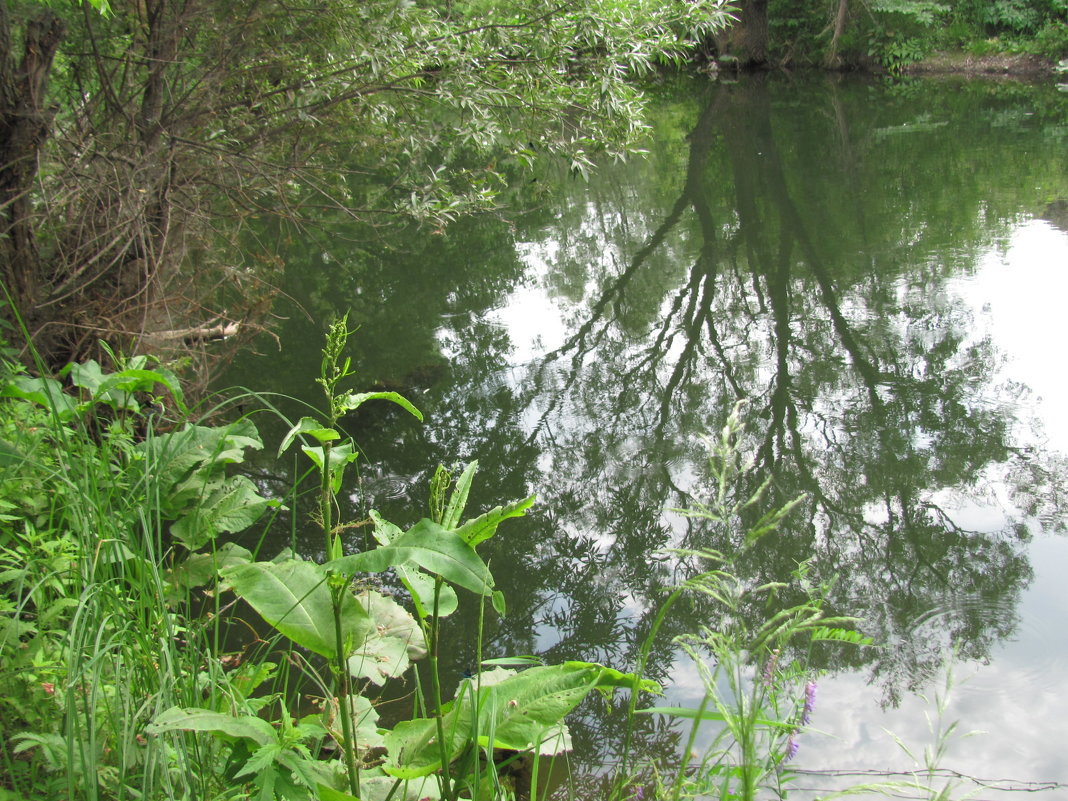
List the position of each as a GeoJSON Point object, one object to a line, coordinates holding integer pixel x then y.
{"type": "Point", "coordinates": [1051, 41]}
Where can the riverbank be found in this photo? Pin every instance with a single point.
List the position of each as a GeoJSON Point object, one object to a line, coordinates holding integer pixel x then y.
{"type": "Point", "coordinates": [1016, 65]}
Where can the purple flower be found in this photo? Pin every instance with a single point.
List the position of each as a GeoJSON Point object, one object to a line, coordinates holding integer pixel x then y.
{"type": "Point", "coordinates": [810, 702]}
{"type": "Point", "coordinates": [769, 668]}
{"type": "Point", "coordinates": [791, 748]}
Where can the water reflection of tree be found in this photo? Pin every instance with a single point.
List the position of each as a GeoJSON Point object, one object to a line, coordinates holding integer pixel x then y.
{"type": "Point", "coordinates": [865, 388]}
{"type": "Point", "coordinates": [805, 273]}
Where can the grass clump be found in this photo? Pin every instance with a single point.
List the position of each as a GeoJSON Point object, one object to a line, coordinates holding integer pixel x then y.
{"type": "Point", "coordinates": [94, 639]}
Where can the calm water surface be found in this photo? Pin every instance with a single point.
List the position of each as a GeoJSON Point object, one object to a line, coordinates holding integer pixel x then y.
{"type": "Point", "coordinates": [880, 271]}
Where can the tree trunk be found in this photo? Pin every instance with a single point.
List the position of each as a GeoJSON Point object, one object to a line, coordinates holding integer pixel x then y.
{"type": "Point", "coordinates": [747, 39]}
{"type": "Point", "coordinates": [840, 18]}
{"type": "Point", "coordinates": [25, 123]}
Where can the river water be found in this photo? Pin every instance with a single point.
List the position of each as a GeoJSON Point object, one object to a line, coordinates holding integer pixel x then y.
{"type": "Point", "coordinates": [878, 270]}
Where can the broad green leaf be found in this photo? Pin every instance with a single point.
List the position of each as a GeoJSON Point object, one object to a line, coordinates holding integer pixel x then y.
{"type": "Point", "coordinates": [421, 587]}
{"type": "Point", "coordinates": [432, 548]}
{"type": "Point", "coordinates": [364, 722]}
{"type": "Point", "coordinates": [293, 597]}
{"type": "Point", "coordinates": [330, 794]}
{"type": "Point", "coordinates": [249, 676]}
{"type": "Point", "coordinates": [514, 661]}
{"type": "Point", "coordinates": [340, 456]}
{"type": "Point", "coordinates": [384, 532]}
{"type": "Point", "coordinates": [183, 462]}
{"type": "Point", "coordinates": [44, 391]}
{"type": "Point", "coordinates": [522, 711]}
{"type": "Point", "coordinates": [226, 506]}
{"type": "Point", "coordinates": [310, 426]}
{"type": "Point", "coordinates": [394, 640]}
{"type": "Point", "coordinates": [87, 375]}
{"type": "Point", "coordinates": [555, 741]}
{"type": "Point", "coordinates": [376, 786]}
{"type": "Point", "coordinates": [485, 526]}
{"type": "Point", "coordinates": [200, 568]}
{"type": "Point", "coordinates": [499, 603]}
{"type": "Point", "coordinates": [261, 761]}
{"type": "Point", "coordinates": [248, 727]}
{"type": "Point", "coordinates": [354, 400]}
{"type": "Point", "coordinates": [118, 388]}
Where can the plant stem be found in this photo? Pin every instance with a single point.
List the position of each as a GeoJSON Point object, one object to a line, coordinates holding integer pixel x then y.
{"type": "Point", "coordinates": [435, 679]}
{"type": "Point", "coordinates": [342, 679]}
{"type": "Point", "coordinates": [326, 505]}
{"type": "Point", "coordinates": [685, 761]}
{"type": "Point", "coordinates": [639, 670]}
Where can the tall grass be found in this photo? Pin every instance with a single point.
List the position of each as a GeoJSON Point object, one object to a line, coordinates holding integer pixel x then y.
{"type": "Point", "coordinates": [96, 639]}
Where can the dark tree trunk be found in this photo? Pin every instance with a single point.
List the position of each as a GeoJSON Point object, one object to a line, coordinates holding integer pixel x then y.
{"type": "Point", "coordinates": [25, 123]}
{"type": "Point", "coordinates": [747, 39]}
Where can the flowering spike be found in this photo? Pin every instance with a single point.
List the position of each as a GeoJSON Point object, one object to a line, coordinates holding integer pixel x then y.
{"type": "Point", "coordinates": [810, 702]}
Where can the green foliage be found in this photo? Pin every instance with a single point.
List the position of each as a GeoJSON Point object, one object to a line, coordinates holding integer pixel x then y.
{"type": "Point", "coordinates": [427, 546]}
{"type": "Point", "coordinates": [365, 636]}
{"type": "Point", "coordinates": [1051, 41]}
{"type": "Point", "coordinates": [293, 596]}
{"type": "Point", "coordinates": [189, 472]}
{"type": "Point", "coordinates": [112, 679]}
{"type": "Point", "coordinates": [758, 686]}
{"type": "Point", "coordinates": [919, 12]}
{"type": "Point", "coordinates": [896, 33]}
{"type": "Point", "coordinates": [422, 112]}
{"type": "Point", "coordinates": [519, 711]}
{"type": "Point", "coordinates": [92, 499]}
{"type": "Point", "coordinates": [896, 54]}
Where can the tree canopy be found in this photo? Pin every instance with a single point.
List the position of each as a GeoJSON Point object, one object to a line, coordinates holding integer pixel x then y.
{"type": "Point", "coordinates": [134, 143]}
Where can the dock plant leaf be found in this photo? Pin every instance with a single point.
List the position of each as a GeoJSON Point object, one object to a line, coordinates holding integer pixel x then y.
{"type": "Point", "coordinates": [294, 598]}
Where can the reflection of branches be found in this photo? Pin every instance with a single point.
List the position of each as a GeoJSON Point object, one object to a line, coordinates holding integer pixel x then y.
{"type": "Point", "coordinates": [594, 328]}
{"type": "Point", "coordinates": [845, 410]}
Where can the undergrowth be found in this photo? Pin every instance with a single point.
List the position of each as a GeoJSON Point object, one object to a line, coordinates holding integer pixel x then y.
{"type": "Point", "coordinates": [124, 601]}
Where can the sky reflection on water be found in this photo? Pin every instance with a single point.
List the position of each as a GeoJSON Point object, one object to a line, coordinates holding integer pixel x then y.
{"type": "Point", "coordinates": [1011, 711]}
